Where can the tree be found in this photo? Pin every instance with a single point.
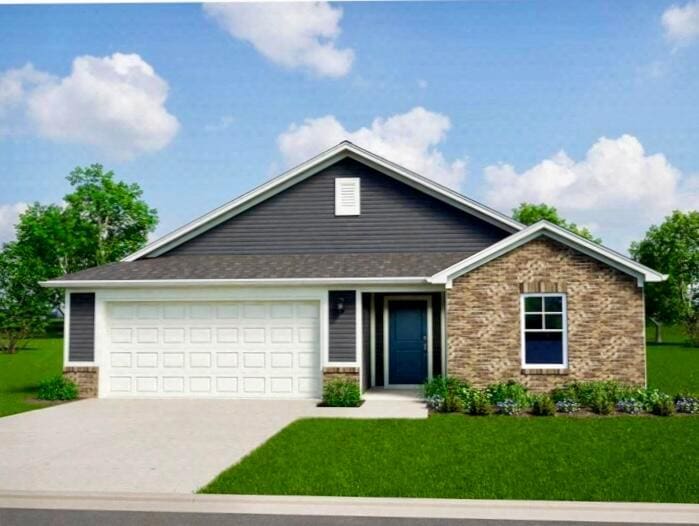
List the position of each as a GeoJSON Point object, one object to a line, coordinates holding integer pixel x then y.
{"type": "Point", "coordinates": [529, 213]}
{"type": "Point", "coordinates": [102, 221]}
{"type": "Point", "coordinates": [24, 305]}
{"type": "Point", "coordinates": [673, 248]}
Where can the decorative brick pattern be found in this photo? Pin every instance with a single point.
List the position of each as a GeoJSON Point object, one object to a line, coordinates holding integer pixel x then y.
{"type": "Point", "coordinates": [86, 378]}
{"type": "Point", "coordinates": [330, 373]}
{"type": "Point", "coordinates": [606, 339]}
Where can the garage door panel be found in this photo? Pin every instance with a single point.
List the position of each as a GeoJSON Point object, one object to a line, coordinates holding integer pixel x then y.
{"type": "Point", "coordinates": [205, 349]}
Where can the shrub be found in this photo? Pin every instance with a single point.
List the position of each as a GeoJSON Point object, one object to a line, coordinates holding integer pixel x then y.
{"type": "Point", "coordinates": [630, 406]}
{"type": "Point", "coordinates": [57, 388]}
{"type": "Point", "coordinates": [687, 404]}
{"type": "Point", "coordinates": [480, 404]}
{"type": "Point", "coordinates": [341, 392]}
{"type": "Point", "coordinates": [662, 405]}
{"type": "Point", "coordinates": [542, 405]}
{"type": "Point", "coordinates": [509, 390]}
{"type": "Point", "coordinates": [567, 405]}
{"type": "Point", "coordinates": [602, 403]}
{"type": "Point", "coordinates": [650, 398]}
{"type": "Point", "coordinates": [446, 394]}
{"type": "Point", "coordinates": [508, 407]}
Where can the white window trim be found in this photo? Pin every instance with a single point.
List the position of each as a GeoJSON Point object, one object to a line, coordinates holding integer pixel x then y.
{"type": "Point", "coordinates": [564, 331]}
{"type": "Point", "coordinates": [340, 209]}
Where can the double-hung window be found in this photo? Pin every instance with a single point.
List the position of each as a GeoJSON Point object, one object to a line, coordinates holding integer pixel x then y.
{"type": "Point", "coordinates": [544, 335]}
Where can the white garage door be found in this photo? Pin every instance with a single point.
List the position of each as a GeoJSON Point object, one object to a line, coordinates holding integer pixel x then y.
{"type": "Point", "coordinates": [213, 349]}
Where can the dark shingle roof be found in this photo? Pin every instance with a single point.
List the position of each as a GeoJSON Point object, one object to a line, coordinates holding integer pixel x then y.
{"type": "Point", "coordinates": [277, 266]}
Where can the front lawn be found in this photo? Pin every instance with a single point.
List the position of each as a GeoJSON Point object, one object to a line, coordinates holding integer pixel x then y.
{"type": "Point", "coordinates": [673, 366]}
{"type": "Point", "coordinates": [21, 373]}
{"type": "Point", "coordinates": [452, 456]}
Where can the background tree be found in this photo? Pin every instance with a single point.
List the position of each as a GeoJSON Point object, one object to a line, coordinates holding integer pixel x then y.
{"type": "Point", "coordinates": [102, 221]}
{"type": "Point", "coordinates": [25, 306]}
{"type": "Point", "coordinates": [673, 248]}
{"type": "Point", "coordinates": [529, 213]}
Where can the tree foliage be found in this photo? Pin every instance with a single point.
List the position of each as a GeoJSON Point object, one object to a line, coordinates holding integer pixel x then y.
{"type": "Point", "coordinates": [102, 221]}
{"type": "Point", "coordinates": [673, 249]}
{"type": "Point", "coordinates": [530, 213]}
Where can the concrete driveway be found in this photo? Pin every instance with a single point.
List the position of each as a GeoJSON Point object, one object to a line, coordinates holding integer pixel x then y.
{"type": "Point", "coordinates": [147, 446]}
{"type": "Point", "coordinates": [136, 445]}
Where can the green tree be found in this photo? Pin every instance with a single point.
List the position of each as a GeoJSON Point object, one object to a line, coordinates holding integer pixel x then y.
{"type": "Point", "coordinates": [102, 221]}
{"type": "Point", "coordinates": [673, 248]}
{"type": "Point", "coordinates": [24, 305]}
{"type": "Point", "coordinates": [529, 213]}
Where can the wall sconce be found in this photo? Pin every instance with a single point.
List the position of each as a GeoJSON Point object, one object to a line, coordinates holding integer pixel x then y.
{"type": "Point", "coordinates": [340, 307]}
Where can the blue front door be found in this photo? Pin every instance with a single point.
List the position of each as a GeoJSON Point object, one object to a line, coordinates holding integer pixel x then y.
{"type": "Point", "coordinates": [407, 342]}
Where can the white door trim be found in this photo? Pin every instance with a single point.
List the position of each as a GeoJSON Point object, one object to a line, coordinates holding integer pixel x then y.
{"type": "Point", "coordinates": [386, 300]}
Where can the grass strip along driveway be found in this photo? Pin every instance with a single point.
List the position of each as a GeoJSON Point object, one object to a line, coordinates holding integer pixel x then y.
{"type": "Point", "coordinates": [452, 456]}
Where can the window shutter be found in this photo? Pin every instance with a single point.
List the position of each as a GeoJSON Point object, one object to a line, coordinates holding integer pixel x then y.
{"type": "Point", "coordinates": [347, 196]}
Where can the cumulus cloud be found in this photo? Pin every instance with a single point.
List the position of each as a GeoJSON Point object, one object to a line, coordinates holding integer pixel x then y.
{"type": "Point", "coordinates": [681, 23]}
{"type": "Point", "coordinates": [410, 139]}
{"type": "Point", "coordinates": [617, 189]}
{"type": "Point", "coordinates": [115, 103]}
{"type": "Point", "coordinates": [9, 214]}
{"type": "Point", "coordinates": [294, 35]}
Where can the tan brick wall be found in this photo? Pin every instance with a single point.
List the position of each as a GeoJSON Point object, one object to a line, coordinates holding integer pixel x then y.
{"type": "Point", "coordinates": [86, 378]}
{"type": "Point", "coordinates": [330, 373]}
{"type": "Point", "coordinates": [606, 338]}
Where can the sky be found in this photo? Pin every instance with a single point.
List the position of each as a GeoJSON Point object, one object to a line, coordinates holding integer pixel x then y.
{"type": "Point", "coordinates": [592, 107]}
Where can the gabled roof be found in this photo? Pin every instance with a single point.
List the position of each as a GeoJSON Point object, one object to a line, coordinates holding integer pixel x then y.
{"type": "Point", "coordinates": [555, 232]}
{"type": "Point", "coordinates": [329, 157]}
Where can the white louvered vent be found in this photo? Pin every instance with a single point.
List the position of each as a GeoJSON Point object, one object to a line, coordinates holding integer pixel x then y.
{"type": "Point", "coordinates": [347, 196]}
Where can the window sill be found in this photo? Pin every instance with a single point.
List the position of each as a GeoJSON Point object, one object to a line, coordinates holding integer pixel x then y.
{"type": "Point", "coordinates": [560, 371]}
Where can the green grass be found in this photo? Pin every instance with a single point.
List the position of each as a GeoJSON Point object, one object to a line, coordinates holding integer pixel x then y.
{"type": "Point", "coordinates": [21, 373]}
{"type": "Point", "coordinates": [641, 459]}
{"type": "Point", "coordinates": [673, 366]}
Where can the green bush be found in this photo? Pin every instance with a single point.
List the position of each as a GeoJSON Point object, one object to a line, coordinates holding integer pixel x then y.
{"type": "Point", "coordinates": [57, 388]}
{"type": "Point", "coordinates": [601, 403]}
{"type": "Point", "coordinates": [447, 394]}
{"type": "Point", "coordinates": [341, 392]}
{"type": "Point", "coordinates": [510, 390]}
{"type": "Point", "coordinates": [480, 404]}
{"type": "Point", "coordinates": [662, 405]}
{"type": "Point", "coordinates": [597, 393]}
{"type": "Point", "coordinates": [543, 405]}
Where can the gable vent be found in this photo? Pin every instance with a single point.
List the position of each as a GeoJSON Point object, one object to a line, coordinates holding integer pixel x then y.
{"type": "Point", "coordinates": [347, 196]}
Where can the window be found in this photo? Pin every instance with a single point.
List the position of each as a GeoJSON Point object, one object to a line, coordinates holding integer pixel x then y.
{"type": "Point", "coordinates": [347, 196]}
{"type": "Point", "coordinates": [544, 335]}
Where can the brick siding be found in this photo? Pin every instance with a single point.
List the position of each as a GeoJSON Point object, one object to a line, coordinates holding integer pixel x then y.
{"type": "Point", "coordinates": [86, 378]}
{"type": "Point", "coordinates": [606, 335]}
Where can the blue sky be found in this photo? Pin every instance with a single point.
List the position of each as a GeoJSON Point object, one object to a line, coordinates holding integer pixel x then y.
{"type": "Point", "coordinates": [483, 96]}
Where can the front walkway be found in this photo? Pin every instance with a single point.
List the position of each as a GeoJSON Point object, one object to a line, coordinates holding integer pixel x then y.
{"type": "Point", "coordinates": [170, 446]}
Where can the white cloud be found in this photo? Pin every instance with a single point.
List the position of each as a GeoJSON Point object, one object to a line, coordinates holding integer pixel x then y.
{"type": "Point", "coordinates": [409, 139]}
{"type": "Point", "coordinates": [294, 35]}
{"type": "Point", "coordinates": [617, 188]}
{"type": "Point", "coordinates": [681, 23]}
{"type": "Point", "coordinates": [115, 103]}
{"type": "Point", "coordinates": [9, 213]}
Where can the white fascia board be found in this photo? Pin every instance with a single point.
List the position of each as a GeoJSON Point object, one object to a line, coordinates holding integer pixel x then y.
{"type": "Point", "coordinates": [562, 235]}
{"type": "Point", "coordinates": [309, 168]}
{"type": "Point", "coordinates": [75, 284]}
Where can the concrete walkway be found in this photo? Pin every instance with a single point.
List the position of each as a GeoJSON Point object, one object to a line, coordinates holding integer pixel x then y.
{"type": "Point", "coordinates": [245, 505]}
{"type": "Point", "coordinates": [172, 446]}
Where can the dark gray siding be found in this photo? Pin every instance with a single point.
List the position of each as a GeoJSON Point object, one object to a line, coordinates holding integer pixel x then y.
{"type": "Point", "coordinates": [81, 343]}
{"type": "Point", "coordinates": [366, 339]}
{"type": "Point", "coordinates": [343, 326]}
{"type": "Point", "coordinates": [378, 359]}
{"type": "Point", "coordinates": [394, 218]}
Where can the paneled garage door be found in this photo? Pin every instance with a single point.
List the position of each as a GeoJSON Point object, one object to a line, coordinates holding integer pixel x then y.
{"type": "Point", "coordinates": [213, 349]}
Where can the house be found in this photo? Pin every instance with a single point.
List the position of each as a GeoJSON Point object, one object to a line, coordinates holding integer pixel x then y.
{"type": "Point", "coordinates": [350, 265]}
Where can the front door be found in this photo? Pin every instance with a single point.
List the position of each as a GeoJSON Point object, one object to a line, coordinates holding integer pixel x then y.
{"type": "Point", "coordinates": [407, 341]}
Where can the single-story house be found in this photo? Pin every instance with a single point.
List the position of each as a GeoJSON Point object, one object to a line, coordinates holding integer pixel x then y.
{"type": "Point", "coordinates": [352, 265]}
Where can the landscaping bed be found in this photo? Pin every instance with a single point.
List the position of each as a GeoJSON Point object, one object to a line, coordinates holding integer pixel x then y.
{"type": "Point", "coordinates": [625, 458]}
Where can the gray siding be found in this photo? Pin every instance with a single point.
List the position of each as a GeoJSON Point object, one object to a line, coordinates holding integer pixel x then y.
{"type": "Point", "coordinates": [81, 343]}
{"type": "Point", "coordinates": [343, 327]}
{"type": "Point", "coordinates": [394, 218]}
